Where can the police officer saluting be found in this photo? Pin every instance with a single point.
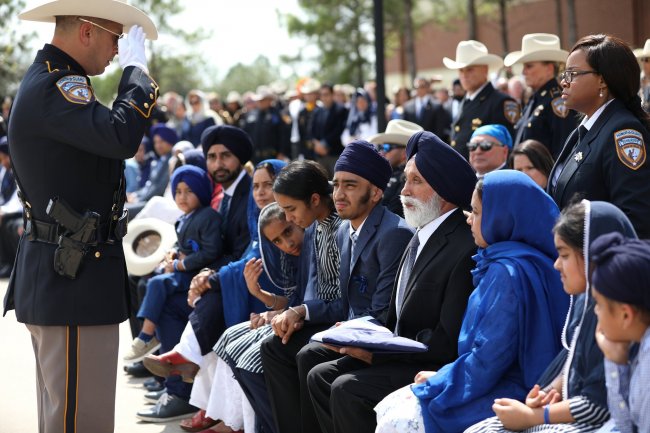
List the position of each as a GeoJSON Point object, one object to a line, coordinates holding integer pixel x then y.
{"type": "Point", "coordinates": [69, 282]}
{"type": "Point", "coordinates": [545, 118]}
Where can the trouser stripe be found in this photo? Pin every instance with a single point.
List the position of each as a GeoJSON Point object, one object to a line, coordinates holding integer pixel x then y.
{"type": "Point", "coordinates": [71, 381]}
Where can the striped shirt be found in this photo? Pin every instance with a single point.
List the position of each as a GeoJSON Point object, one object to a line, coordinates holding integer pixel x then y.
{"type": "Point", "coordinates": [329, 258]}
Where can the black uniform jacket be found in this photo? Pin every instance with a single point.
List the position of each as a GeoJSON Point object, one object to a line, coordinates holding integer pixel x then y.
{"type": "Point", "coordinates": [488, 107]}
{"type": "Point", "coordinates": [436, 294]}
{"type": "Point", "coordinates": [609, 164]}
{"type": "Point", "coordinates": [433, 117]}
{"type": "Point", "coordinates": [65, 144]}
{"type": "Point", "coordinates": [546, 119]}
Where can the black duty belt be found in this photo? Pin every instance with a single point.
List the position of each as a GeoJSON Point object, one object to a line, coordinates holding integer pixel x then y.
{"type": "Point", "coordinates": [49, 232]}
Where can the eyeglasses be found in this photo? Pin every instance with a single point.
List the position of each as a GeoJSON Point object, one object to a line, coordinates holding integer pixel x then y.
{"type": "Point", "coordinates": [118, 36]}
{"type": "Point", "coordinates": [485, 145]}
{"type": "Point", "coordinates": [568, 76]}
{"type": "Point", "coordinates": [386, 147]}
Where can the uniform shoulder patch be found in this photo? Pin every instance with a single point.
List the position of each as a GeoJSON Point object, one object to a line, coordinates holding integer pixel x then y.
{"type": "Point", "coordinates": [630, 148]}
{"type": "Point", "coordinates": [76, 89]}
{"type": "Point", "coordinates": [559, 108]}
{"type": "Point", "coordinates": [511, 111]}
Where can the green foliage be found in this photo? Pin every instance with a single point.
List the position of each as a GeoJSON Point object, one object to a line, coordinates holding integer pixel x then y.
{"type": "Point", "coordinates": [247, 77]}
{"type": "Point", "coordinates": [13, 47]}
{"type": "Point", "coordinates": [343, 32]}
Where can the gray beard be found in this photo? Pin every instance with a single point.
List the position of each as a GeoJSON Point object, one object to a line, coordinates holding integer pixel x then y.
{"type": "Point", "coordinates": [424, 212]}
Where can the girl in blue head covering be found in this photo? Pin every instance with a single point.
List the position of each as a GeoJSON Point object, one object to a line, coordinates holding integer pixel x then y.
{"type": "Point", "coordinates": [362, 119]}
{"type": "Point", "coordinates": [511, 328]}
{"type": "Point", "coordinates": [570, 395]}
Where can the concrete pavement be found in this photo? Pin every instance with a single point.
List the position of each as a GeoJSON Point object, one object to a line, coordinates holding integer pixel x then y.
{"type": "Point", "coordinates": [18, 412]}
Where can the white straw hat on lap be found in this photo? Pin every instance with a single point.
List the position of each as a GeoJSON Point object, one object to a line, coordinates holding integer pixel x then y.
{"type": "Point", "coordinates": [537, 47]}
{"type": "Point", "coordinates": [146, 243]}
{"type": "Point", "coordinates": [470, 53]}
{"type": "Point", "coordinates": [118, 11]}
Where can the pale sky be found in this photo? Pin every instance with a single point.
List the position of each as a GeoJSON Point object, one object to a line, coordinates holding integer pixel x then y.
{"type": "Point", "coordinates": [241, 30]}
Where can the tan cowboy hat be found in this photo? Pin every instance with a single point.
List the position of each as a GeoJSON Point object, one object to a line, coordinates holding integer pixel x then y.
{"type": "Point", "coordinates": [118, 11]}
{"type": "Point", "coordinates": [146, 243]}
{"type": "Point", "coordinates": [642, 53]}
{"type": "Point", "coordinates": [398, 131]}
{"type": "Point", "coordinates": [470, 53]}
{"type": "Point", "coordinates": [310, 85]}
{"type": "Point", "coordinates": [537, 47]}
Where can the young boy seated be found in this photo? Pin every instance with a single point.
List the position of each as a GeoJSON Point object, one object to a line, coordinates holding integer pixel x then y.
{"type": "Point", "coordinates": [621, 288]}
{"type": "Point", "coordinates": [199, 245]}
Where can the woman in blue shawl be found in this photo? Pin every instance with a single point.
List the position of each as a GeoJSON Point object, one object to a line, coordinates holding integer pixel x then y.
{"type": "Point", "coordinates": [571, 395]}
{"type": "Point", "coordinates": [511, 328]}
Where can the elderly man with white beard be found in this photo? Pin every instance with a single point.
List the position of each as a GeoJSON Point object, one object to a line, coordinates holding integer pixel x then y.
{"type": "Point", "coordinates": [429, 296]}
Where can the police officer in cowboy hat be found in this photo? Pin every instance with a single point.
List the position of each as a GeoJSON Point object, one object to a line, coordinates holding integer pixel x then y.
{"type": "Point", "coordinates": [643, 55]}
{"type": "Point", "coordinates": [483, 104]}
{"type": "Point", "coordinates": [545, 118]}
{"type": "Point", "coordinates": [69, 282]}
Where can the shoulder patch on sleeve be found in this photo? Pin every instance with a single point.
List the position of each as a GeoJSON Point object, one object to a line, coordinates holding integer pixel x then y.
{"type": "Point", "coordinates": [76, 89]}
{"type": "Point", "coordinates": [630, 148]}
{"type": "Point", "coordinates": [511, 111]}
{"type": "Point", "coordinates": [559, 108]}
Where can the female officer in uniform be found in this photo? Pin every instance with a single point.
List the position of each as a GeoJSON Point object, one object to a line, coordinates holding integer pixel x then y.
{"type": "Point", "coordinates": [605, 157]}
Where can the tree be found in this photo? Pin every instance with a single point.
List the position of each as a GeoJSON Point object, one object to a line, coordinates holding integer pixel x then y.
{"type": "Point", "coordinates": [247, 77]}
{"type": "Point", "coordinates": [13, 47]}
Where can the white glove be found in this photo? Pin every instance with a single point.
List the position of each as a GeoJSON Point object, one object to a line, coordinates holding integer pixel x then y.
{"type": "Point", "coordinates": [130, 50]}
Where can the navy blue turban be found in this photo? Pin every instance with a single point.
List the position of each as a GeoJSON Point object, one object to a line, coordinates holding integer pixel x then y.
{"type": "Point", "coordinates": [196, 179]}
{"type": "Point", "coordinates": [622, 269]}
{"type": "Point", "coordinates": [448, 173]}
{"type": "Point", "coordinates": [164, 132]}
{"type": "Point", "coordinates": [362, 159]}
{"type": "Point", "coordinates": [235, 139]}
{"type": "Point", "coordinates": [195, 157]}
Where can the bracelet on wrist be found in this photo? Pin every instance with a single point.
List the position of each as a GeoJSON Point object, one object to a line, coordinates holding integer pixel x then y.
{"type": "Point", "coordinates": [275, 301]}
{"type": "Point", "coordinates": [547, 417]}
{"type": "Point", "coordinates": [297, 313]}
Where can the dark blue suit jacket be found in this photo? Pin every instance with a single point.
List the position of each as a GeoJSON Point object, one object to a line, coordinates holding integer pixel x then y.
{"type": "Point", "coordinates": [367, 278]}
{"type": "Point", "coordinates": [200, 239]}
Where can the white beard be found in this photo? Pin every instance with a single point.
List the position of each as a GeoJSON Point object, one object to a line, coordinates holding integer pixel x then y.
{"type": "Point", "coordinates": [422, 212]}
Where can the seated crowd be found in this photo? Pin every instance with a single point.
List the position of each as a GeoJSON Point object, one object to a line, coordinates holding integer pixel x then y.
{"type": "Point", "coordinates": [458, 228]}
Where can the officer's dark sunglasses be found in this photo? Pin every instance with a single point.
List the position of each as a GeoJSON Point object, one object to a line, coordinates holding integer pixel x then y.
{"type": "Point", "coordinates": [117, 35]}
{"type": "Point", "coordinates": [386, 147]}
{"type": "Point", "coordinates": [485, 145]}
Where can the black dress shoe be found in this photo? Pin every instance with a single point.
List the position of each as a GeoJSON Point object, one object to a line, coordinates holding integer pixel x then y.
{"type": "Point", "coordinates": [169, 407]}
{"type": "Point", "coordinates": [153, 384]}
{"type": "Point", "coordinates": [137, 370]}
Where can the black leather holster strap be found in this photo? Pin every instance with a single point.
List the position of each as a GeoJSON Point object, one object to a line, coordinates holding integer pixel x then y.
{"type": "Point", "coordinates": [49, 232]}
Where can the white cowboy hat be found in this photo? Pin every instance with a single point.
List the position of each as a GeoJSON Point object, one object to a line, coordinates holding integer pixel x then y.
{"type": "Point", "coordinates": [118, 11]}
{"type": "Point", "coordinates": [537, 47]}
{"type": "Point", "coordinates": [310, 85]}
{"type": "Point", "coordinates": [146, 244]}
{"type": "Point", "coordinates": [469, 53]}
{"type": "Point", "coordinates": [398, 131]}
{"type": "Point", "coordinates": [642, 53]}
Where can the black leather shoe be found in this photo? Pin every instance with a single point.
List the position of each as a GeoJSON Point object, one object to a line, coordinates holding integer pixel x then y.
{"type": "Point", "coordinates": [168, 408]}
{"type": "Point", "coordinates": [153, 384]}
{"type": "Point", "coordinates": [137, 370]}
{"type": "Point", "coordinates": [153, 396]}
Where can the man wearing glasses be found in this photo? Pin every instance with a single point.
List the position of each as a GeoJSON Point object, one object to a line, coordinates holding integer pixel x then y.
{"type": "Point", "coordinates": [69, 282]}
{"type": "Point", "coordinates": [392, 146]}
{"type": "Point", "coordinates": [488, 148]}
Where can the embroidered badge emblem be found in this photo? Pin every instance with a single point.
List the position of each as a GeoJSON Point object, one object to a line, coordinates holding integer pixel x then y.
{"type": "Point", "coordinates": [630, 148]}
{"type": "Point", "coordinates": [559, 108]}
{"type": "Point", "coordinates": [578, 157]}
{"type": "Point", "coordinates": [511, 111]}
{"type": "Point", "coordinates": [75, 89]}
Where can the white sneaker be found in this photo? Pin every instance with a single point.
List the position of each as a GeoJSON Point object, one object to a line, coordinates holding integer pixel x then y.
{"type": "Point", "coordinates": [140, 349]}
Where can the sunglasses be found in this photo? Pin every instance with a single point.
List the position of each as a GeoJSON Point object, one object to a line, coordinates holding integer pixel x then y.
{"type": "Point", "coordinates": [387, 147]}
{"type": "Point", "coordinates": [118, 36]}
{"type": "Point", "coordinates": [485, 145]}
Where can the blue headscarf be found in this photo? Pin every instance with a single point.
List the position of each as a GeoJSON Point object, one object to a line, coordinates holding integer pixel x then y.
{"type": "Point", "coordinates": [516, 284]}
{"type": "Point", "coordinates": [233, 285]}
{"type": "Point", "coordinates": [496, 131]}
{"type": "Point", "coordinates": [196, 179]}
{"type": "Point", "coordinates": [356, 117]}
